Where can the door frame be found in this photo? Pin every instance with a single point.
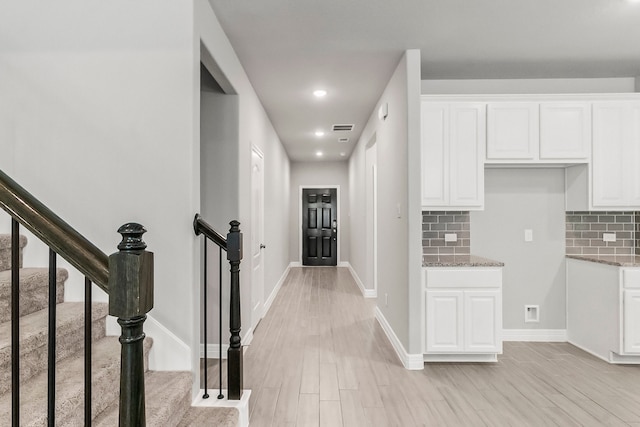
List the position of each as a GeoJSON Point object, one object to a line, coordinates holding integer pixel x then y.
{"type": "Point", "coordinates": [337, 188]}
{"type": "Point", "coordinates": [255, 149]}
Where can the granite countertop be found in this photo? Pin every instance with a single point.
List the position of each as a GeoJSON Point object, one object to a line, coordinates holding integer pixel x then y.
{"type": "Point", "coordinates": [617, 260]}
{"type": "Point", "coordinates": [458, 261]}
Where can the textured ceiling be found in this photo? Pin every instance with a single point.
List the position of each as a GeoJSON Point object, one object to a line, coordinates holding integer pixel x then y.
{"type": "Point", "coordinates": [350, 47]}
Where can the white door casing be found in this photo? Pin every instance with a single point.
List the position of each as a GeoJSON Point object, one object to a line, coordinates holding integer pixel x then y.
{"type": "Point", "coordinates": [257, 235]}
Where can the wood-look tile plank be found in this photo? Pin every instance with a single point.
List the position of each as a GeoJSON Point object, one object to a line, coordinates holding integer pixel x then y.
{"type": "Point", "coordinates": [329, 389]}
{"type": "Point", "coordinates": [330, 413]}
{"type": "Point", "coordinates": [308, 411]}
{"type": "Point", "coordinates": [352, 411]}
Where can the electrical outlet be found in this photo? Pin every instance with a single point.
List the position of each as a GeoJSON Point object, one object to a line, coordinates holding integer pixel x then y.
{"type": "Point", "coordinates": [450, 237]}
{"type": "Point", "coordinates": [609, 237]}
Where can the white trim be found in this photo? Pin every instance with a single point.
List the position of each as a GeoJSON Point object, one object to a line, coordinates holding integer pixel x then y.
{"type": "Point", "coordinates": [295, 264]}
{"type": "Point", "coordinates": [338, 201]}
{"type": "Point", "coordinates": [213, 350]}
{"type": "Point", "coordinates": [535, 335]}
{"type": "Point", "coordinates": [413, 362]}
{"type": "Point", "coordinates": [462, 357]}
{"type": "Point", "coordinates": [168, 352]}
{"type": "Point", "coordinates": [490, 97]}
{"type": "Point", "coordinates": [241, 405]}
{"type": "Point", "coordinates": [276, 289]}
{"type": "Point", "coordinates": [367, 293]}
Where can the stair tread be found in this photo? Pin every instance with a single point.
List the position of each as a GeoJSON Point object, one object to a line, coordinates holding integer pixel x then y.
{"type": "Point", "coordinates": [33, 327]}
{"type": "Point", "coordinates": [30, 278]}
{"type": "Point", "coordinates": [208, 416]}
{"type": "Point", "coordinates": [69, 385]}
{"type": "Point", "coordinates": [5, 241]}
{"type": "Point", "coordinates": [167, 396]}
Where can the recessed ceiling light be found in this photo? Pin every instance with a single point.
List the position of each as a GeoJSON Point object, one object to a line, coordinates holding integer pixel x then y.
{"type": "Point", "coordinates": [319, 153]}
{"type": "Point", "coordinates": [320, 93]}
{"type": "Point", "coordinates": [343, 154]}
{"type": "Point", "coordinates": [319, 133]}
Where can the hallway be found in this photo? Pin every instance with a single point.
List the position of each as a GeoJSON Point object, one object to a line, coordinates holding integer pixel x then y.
{"type": "Point", "coordinates": [319, 357]}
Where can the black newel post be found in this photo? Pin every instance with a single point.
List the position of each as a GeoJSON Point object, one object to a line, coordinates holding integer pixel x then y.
{"type": "Point", "coordinates": [234, 354]}
{"type": "Point", "coordinates": [130, 299]}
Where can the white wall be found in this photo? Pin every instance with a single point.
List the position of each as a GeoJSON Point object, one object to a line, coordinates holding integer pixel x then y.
{"type": "Point", "coordinates": [398, 159]}
{"type": "Point", "coordinates": [99, 118]}
{"type": "Point", "coordinates": [534, 272]}
{"type": "Point", "coordinates": [516, 86]}
{"type": "Point", "coordinates": [313, 174]}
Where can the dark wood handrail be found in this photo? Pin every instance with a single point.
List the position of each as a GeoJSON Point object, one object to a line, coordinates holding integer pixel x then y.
{"type": "Point", "coordinates": [54, 232]}
{"type": "Point", "coordinates": [200, 226]}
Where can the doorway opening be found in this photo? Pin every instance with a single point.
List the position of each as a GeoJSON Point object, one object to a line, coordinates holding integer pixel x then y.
{"type": "Point", "coordinates": [371, 200]}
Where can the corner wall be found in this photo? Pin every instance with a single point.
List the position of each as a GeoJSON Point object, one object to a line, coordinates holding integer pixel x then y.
{"type": "Point", "coordinates": [399, 212]}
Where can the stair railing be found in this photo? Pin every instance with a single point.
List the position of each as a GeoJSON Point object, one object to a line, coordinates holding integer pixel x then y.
{"type": "Point", "coordinates": [233, 246]}
{"type": "Point", "coordinates": [126, 276]}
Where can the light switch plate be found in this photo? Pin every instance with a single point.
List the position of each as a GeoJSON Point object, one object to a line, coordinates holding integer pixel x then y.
{"type": "Point", "coordinates": [450, 237]}
{"type": "Point", "coordinates": [528, 235]}
{"type": "Point", "coordinates": [609, 237]}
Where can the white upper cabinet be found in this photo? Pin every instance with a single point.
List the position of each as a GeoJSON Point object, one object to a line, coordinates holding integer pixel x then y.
{"type": "Point", "coordinates": [538, 132]}
{"type": "Point", "coordinates": [512, 130]}
{"type": "Point", "coordinates": [615, 174]}
{"type": "Point", "coordinates": [453, 142]}
{"type": "Point", "coordinates": [565, 130]}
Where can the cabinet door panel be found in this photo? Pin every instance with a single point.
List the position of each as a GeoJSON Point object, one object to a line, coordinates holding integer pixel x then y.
{"type": "Point", "coordinates": [467, 141]}
{"type": "Point", "coordinates": [608, 162]}
{"type": "Point", "coordinates": [633, 154]}
{"type": "Point", "coordinates": [631, 336]}
{"type": "Point", "coordinates": [435, 157]}
{"type": "Point", "coordinates": [483, 321]}
{"type": "Point", "coordinates": [565, 130]}
{"type": "Point", "coordinates": [512, 130]}
{"type": "Point", "coordinates": [444, 331]}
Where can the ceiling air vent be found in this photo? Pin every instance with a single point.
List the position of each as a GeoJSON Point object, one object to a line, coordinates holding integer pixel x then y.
{"type": "Point", "coordinates": [342, 128]}
{"type": "Point", "coordinates": [343, 140]}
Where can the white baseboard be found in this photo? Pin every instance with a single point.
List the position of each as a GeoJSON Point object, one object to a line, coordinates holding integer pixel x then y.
{"type": "Point", "coordinates": [413, 362]}
{"type": "Point", "coordinates": [213, 350]}
{"type": "Point", "coordinates": [295, 264]}
{"type": "Point", "coordinates": [343, 264]}
{"type": "Point", "coordinates": [367, 293]}
{"type": "Point", "coordinates": [535, 335]}
{"type": "Point", "coordinates": [461, 358]}
{"type": "Point", "coordinates": [276, 289]}
{"type": "Point", "coordinates": [168, 352]}
{"type": "Point", "coordinates": [241, 405]}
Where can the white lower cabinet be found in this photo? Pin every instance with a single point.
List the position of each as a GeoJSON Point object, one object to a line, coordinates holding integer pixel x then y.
{"type": "Point", "coordinates": [631, 320]}
{"type": "Point", "coordinates": [463, 314]}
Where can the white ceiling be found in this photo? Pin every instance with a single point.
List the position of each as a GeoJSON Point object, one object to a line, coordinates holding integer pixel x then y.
{"type": "Point", "coordinates": [351, 47]}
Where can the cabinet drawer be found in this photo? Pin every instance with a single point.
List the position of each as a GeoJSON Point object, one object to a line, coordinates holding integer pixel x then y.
{"type": "Point", "coordinates": [631, 277]}
{"type": "Point", "coordinates": [484, 277]}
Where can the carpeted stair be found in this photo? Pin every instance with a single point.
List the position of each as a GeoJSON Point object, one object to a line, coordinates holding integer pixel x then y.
{"type": "Point", "coordinates": [168, 394]}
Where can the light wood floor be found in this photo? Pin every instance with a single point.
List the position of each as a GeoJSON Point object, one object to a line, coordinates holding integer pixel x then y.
{"type": "Point", "coordinates": [319, 358]}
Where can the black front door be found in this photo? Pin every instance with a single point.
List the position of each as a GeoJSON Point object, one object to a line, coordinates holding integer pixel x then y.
{"type": "Point", "coordinates": [319, 226]}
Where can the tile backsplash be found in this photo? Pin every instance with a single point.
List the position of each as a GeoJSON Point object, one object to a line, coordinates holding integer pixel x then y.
{"type": "Point", "coordinates": [585, 233]}
{"type": "Point", "coordinates": [435, 224]}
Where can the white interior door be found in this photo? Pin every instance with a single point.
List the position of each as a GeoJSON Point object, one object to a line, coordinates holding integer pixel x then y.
{"type": "Point", "coordinates": [257, 236]}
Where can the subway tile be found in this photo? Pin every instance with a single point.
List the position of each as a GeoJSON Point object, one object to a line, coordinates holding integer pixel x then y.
{"type": "Point", "coordinates": [591, 235]}
{"type": "Point", "coordinates": [429, 250]}
{"type": "Point", "coordinates": [438, 227]}
{"type": "Point", "coordinates": [615, 227]}
{"type": "Point", "coordinates": [574, 251]}
{"type": "Point", "coordinates": [573, 234]}
{"type": "Point", "coordinates": [461, 218]}
{"type": "Point", "coordinates": [429, 218]}
{"type": "Point", "coordinates": [582, 227]}
{"type": "Point", "coordinates": [569, 242]}
{"type": "Point", "coordinates": [607, 251]}
{"type": "Point", "coordinates": [615, 244]}
{"type": "Point", "coordinates": [606, 218]}
{"type": "Point", "coordinates": [624, 235]}
{"type": "Point", "coordinates": [594, 242]}
{"type": "Point", "coordinates": [583, 242]}
{"type": "Point", "coordinates": [599, 227]}
{"type": "Point", "coordinates": [454, 227]}
{"type": "Point", "coordinates": [446, 250]}
{"type": "Point", "coordinates": [624, 218]}
{"type": "Point", "coordinates": [624, 251]}
{"type": "Point", "coordinates": [462, 250]}
{"type": "Point", "coordinates": [430, 234]}
{"type": "Point", "coordinates": [590, 218]}
{"type": "Point", "coordinates": [574, 218]}
{"type": "Point", "coordinates": [445, 218]}
{"type": "Point", "coordinates": [589, 250]}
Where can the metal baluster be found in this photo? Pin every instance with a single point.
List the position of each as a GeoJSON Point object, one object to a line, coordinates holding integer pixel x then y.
{"type": "Point", "coordinates": [51, 351]}
{"type": "Point", "coordinates": [220, 395]}
{"type": "Point", "coordinates": [15, 325]}
{"type": "Point", "coordinates": [88, 339]}
{"type": "Point", "coordinates": [206, 261]}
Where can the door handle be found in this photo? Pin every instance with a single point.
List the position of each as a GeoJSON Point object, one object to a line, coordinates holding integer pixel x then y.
{"type": "Point", "coordinates": [334, 225]}
{"type": "Point", "coordinates": [262, 246]}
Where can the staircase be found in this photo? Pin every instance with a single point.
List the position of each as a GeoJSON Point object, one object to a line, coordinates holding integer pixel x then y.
{"type": "Point", "coordinates": [168, 394]}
